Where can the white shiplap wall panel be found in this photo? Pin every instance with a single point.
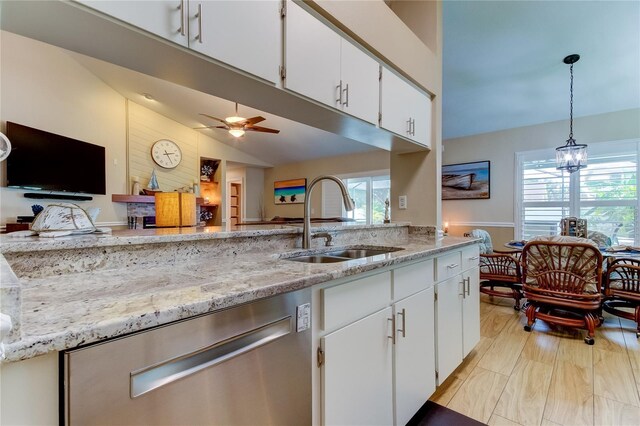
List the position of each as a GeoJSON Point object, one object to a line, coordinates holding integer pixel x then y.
{"type": "Point", "coordinates": [146, 127]}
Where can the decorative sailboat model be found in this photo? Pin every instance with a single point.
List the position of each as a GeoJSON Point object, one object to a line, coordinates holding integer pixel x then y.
{"type": "Point", "coordinates": [153, 186]}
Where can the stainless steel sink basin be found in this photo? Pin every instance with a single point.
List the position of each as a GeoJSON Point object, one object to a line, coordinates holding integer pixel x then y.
{"type": "Point", "coordinates": [342, 255]}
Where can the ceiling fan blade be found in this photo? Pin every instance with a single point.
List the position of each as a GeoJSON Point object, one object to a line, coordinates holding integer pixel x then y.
{"type": "Point", "coordinates": [261, 129]}
{"type": "Point", "coordinates": [214, 118]}
{"type": "Point", "coordinates": [254, 120]}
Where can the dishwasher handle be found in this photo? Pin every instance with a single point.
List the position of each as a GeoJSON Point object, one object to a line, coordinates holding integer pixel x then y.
{"type": "Point", "coordinates": [151, 378]}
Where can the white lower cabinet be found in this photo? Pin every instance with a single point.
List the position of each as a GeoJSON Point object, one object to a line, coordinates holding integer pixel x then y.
{"type": "Point", "coordinates": [357, 374]}
{"type": "Point", "coordinates": [449, 326]}
{"type": "Point", "coordinates": [414, 363]}
{"type": "Point", "coordinates": [382, 338]}
{"type": "Point", "coordinates": [471, 310]}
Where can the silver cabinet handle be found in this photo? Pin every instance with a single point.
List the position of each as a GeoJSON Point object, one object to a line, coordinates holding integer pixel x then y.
{"type": "Point", "coordinates": [393, 329]}
{"type": "Point", "coordinates": [413, 127]}
{"type": "Point", "coordinates": [182, 26]}
{"type": "Point", "coordinates": [153, 377]}
{"type": "Point", "coordinates": [339, 87]}
{"type": "Point", "coordinates": [409, 126]}
{"type": "Point", "coordinates": [452, 265]}
{"type": "Point", "coordinates": [474, 258]}
{"type": "Point", "coordinates": [462, 283]}
{"type": "Point", "coordinates": [346, 103]}
{"type": "Point", "coordinates": [404, 322]}
{"type": "Point", "coordinates": [199, 16]}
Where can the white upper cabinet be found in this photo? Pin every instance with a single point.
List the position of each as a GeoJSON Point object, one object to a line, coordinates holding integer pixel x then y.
{"type": "Point", "coordinates": [323, 66]}
{"type": "Point", "coordinates": [243, 34]}
{"type": "Point", "coordinates": [405, 110]}
{"type": "Point", "coordinates": [312, 56]}
{"type": "Point", "coordinates": [359, 74]}
{"type": "Point", "coordinates": [165, 18]}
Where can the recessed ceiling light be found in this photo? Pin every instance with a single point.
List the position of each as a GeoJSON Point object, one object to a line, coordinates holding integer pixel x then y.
{"type": "Point", "coordinates": [148, 97]}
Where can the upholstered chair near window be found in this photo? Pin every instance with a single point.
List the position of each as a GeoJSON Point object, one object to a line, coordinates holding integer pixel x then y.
{"type": "Point", "coordinates": [499, 270]}
{"type": "Point", "coordinates": [622, 290]}
{"type": "Point", "coordinates": [562, 279]}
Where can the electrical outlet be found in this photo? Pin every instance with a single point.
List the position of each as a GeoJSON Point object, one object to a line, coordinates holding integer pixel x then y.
{"type": "Point", "coordinates": [402, 202]}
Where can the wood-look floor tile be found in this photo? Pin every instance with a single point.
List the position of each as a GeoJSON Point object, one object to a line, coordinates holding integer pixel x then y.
{"type": "Point", "coordinates": [469, 363]}
{"type": "Point", "coordinates": [613, 377]}
{"type": "Point", "coordinates": [609, 336]}
{"type": "Point", "coordinates": [525, 394]}
{"type": "Point", "coordinates": [485, 308]}
{"type": "Point", "coordinates": [503, 354]}
{"type": "Point", "coordinates": [516, 324]}
{"type": "Point", "coordinates": [492, 324]}
{"type": "Point", "coordinates": [609, 412]}
{"type": "Point", "coordinates": [633, 347]}
{"type": "Point", "coordinates": [496, 420]}
{"type": "Point", "coordinates": [478, 395]}
{"type": "Point", "coordinates": [541, 347]}
{"type": "Point", "coordinates": [576, 352]}
{"type": "Point", "coordinates": [570, 397]}
{"type": "Point", "coordinates": [444, 393]}
{"type": "Point", "coordinates": [547, 422]}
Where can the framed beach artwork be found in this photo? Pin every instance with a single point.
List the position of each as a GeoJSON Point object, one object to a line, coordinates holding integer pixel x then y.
{"type": "Point", "coordinates": [290, 191]}
{"type": "Point", "coordinates": [466, 181]}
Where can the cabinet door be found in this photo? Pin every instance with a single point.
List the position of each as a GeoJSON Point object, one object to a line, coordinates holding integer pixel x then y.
{"type": "Point", "coordinates": [449, 326]}
{"type": "Point", "coordinates": [360, 84]}
{"type": "Point", "coordinates": [243, 34]}
{"type": "Point", "coordinates": [471, 311]}
{"type": "Point", "coordinates": [421, 113]}
{"type": "Point", "coordinates": [312, 57]}
{"type": "Point", "coordinates": [357, 373]}
{"type": "Point", "coordinates": [393, 103]}
{"type": "Point", "coordinates": [415, 364]}
{"type": "Point", "coordinates": [165, 18]}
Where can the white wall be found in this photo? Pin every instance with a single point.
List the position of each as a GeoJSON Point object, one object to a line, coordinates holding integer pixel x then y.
{"type": "Point", "coordinates": [500, 148]}
{"type": "Point", "coordinates": [43, 87]}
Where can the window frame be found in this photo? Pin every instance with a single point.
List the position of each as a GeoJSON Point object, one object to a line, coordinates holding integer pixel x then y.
{"type": "Point", "coordinates": [574, 203]}
{"type": "Point", "coordinates": [370, 176]}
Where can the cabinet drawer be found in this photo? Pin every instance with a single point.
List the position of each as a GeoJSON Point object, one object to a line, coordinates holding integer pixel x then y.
{"type": "Point", "coordinates": [411, 279]}
{"type": "Point", "coordinates": [448, 265]}
{"type": "Point", "coordinates": [470, 257]}
{"type": "Point", "coordinates": [346, 303]}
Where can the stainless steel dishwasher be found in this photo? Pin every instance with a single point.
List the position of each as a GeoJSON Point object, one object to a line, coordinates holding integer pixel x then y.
{"type": "Point", "coordinates": [248, 365]}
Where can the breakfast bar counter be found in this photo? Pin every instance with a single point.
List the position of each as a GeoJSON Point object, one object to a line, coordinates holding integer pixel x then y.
{"type": "Point", "coordinates": [78, 290]}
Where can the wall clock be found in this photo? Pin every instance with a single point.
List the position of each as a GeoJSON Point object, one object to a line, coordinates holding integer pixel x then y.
{"type": "Point", "coordinates": [166, 154]}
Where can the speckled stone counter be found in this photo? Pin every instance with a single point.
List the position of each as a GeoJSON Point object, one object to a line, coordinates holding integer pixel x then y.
{"type": "Point", "coordinates": [202, 270]}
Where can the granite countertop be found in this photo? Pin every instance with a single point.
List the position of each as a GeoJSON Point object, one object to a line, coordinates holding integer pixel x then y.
{"type": "Point", "coordinates": [62, 312]}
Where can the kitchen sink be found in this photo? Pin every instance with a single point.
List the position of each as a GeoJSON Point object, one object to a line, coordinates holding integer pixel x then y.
{"type": "Point", "coordinates": [342, 255]}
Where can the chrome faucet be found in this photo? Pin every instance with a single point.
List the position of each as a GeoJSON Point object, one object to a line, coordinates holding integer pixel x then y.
{"type": "Point", "coordinates": [349, 205]}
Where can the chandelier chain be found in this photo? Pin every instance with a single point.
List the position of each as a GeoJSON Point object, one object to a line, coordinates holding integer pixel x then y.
{"type": "Point", "coordinates": [571, 105]}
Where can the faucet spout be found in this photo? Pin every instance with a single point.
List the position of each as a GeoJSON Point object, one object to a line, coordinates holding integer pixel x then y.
{"type": "Point", "coordinates": [349, 205]}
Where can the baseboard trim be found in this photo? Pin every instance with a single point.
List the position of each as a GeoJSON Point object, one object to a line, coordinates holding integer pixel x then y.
{"type": "Point", "coordinates": [485, 224]}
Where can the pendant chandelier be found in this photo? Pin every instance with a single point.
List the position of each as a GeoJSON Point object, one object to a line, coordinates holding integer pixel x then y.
{"type": "Point", "coordinates": [572, 156]}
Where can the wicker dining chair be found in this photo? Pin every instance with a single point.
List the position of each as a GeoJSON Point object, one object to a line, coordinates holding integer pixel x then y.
{"type": "Point", "coordinates": [562, 280]}
{"type": "Point", "coordinates": [622, 290]}
{"type": "Point", "coordinates": [500, 274]}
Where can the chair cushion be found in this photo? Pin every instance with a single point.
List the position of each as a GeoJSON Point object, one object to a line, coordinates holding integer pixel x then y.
{"type": "Point", "coordinates": [486, 247]}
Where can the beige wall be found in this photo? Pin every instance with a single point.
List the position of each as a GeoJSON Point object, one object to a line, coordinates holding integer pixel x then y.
{"type": "Point", "coordinates": [500, 148]}
{"type": "Point", "coordinates": [355, 163]}
{"type": "Point", "coordinates": [43, 87]}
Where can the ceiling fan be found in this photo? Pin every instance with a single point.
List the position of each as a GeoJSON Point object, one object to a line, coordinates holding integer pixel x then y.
{"type": "Point", "coordinates": [237, 125]}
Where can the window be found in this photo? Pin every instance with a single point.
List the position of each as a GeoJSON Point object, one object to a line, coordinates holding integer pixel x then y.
{"type": "Point", "coordinates": [369, 193]}
{"type": "Point", "coordinates": [605, 193]}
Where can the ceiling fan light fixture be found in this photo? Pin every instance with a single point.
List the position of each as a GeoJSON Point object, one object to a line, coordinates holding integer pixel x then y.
{"type": "Point", "coordinates": [234, 119]}
{"type": "Point", "coordinates": [572, 156]}
{"type": "Point", "coordinates": [236, 132]}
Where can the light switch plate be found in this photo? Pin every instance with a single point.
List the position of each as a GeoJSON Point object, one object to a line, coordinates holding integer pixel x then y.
{"type": "Point", "coordinates": [303, 317]}
{"type": "Point", "coordinates": [402, 202]}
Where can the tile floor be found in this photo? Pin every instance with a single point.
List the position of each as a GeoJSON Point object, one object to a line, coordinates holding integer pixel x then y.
{"type": "Point", "coordinates": [546, 377]}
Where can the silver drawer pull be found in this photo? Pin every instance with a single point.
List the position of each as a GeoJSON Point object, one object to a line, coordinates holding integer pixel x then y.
{"type": "Point", "coordinates": [150, 378]}
{"type": "Point", "coordinates": [452, 266]}
{"type": "Point", "coordinates": [474, 258]}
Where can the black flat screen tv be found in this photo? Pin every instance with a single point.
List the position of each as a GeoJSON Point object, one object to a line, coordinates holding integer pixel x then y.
{"type": "Point", "coordinates": [41, 160]}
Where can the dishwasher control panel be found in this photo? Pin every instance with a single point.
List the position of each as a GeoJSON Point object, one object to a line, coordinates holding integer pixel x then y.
{"type": "Point", "coordinates": [303, 317]}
